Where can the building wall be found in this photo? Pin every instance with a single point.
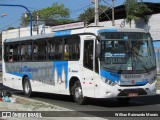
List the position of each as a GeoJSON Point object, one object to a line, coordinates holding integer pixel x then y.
{"type": "Point", "coordinates": [23, 32]}
{"type": "Point", "coordinates": [153, 25]}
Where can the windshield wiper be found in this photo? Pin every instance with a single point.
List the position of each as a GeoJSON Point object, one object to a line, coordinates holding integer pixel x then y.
{"type": "Point", "coordinates": [144, 66]}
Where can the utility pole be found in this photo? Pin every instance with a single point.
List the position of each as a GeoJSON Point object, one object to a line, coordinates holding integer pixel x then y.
{"type": "Point", "coordinates": [113, 22]}
{"type": "Point", "coordinates": [37, 23]}
{"type": "Point", "coordinates": [96, 12]}
{"type": "Point", "coordinates": [19, 31]}
{"type": "Point", "coordinates": [158, 60]}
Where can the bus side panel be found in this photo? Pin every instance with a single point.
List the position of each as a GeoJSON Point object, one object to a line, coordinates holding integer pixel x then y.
{"type": "Point", "coordinates": [7, 80]}
{"type": "Point", "coordinates": [12, 77]}
{"type": "Point", "coordinates": [74, 70]}
{"type": "Point", "coordinates": [50, 77]}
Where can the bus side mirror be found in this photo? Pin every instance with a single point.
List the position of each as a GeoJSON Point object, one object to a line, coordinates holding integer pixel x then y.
{"type": "Point", "coordinates": [98, 50]}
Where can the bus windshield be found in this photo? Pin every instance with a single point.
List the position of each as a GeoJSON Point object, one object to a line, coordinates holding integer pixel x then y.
{"type": "Point", "coordinates": [127, 51]}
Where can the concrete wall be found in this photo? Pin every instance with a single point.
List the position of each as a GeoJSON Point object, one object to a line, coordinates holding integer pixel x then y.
{"type": "Point", "coordinates": [23, 32]}
{"type": "Point", "coordinates": [153, 25]}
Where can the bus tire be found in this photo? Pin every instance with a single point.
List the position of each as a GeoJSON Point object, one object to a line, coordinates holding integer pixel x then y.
{"type": "Point", "coordinates": [78, 94]}
{"type": "Point", "coordinates": [27, 87]}
{"type": "Point", "coordinates": [124, 100]}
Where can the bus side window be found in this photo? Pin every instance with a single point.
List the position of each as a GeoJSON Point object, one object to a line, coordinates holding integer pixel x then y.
{"type": "Point", "coordinates": [35, 51]}
{"type": "Point", "coordinates": [11, 53]}
{"type": "Point", "coordinates": [26, 51]}
{"type": "Point", "coordinates": [40, 50]}
{"type": "Point", "coordinates": [16, 52]}
{"type": "Point", "coordinates": [71, 48]}
{"type": "Point", "coordinates": [58, 49]}
{"type": "Point", "coordinates": [6, 52]}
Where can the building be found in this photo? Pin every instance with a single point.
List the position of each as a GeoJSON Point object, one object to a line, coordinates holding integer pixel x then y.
{"type": "Point", "coordinates": [23, 32]}
{"type": "Point", "coordinates": [152, 25]}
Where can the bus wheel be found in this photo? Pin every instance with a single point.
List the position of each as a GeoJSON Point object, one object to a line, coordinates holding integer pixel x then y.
{"type": "Point", "coordinates": [27, 87]}
{"type": "Point", "coordinates": [78, 94]}
{"type": "Point", "coordinates": [124, 100]}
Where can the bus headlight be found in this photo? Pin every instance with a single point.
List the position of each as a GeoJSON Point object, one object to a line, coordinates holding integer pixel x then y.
{"type": "Point", "coordinates": [109, 82]}
{"type": "Point", "coordinates": [152, 80]}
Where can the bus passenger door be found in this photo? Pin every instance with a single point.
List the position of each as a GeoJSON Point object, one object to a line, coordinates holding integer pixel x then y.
{"type": "Point", "coordinates": [88, 71]}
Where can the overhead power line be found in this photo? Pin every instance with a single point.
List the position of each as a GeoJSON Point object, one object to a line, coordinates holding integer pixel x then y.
{"type": "Point", "coordinates": [81, 8]}
{"type": "Point", "coordinates": [10, 24]}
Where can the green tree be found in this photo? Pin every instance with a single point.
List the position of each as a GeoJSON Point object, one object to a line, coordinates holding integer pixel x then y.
{"type": "Point", "coordinates": [89, 13]}
{"type": "Point", "coordinates": [49, 14]}
{"type": "Point", "coordinates": [10, 28]}
{"type": "Point", "coordinates": [135, 10]}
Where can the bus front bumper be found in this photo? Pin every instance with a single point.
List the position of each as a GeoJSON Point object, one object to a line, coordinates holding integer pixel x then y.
{"type": "Point", "coordinates": [116, 91]}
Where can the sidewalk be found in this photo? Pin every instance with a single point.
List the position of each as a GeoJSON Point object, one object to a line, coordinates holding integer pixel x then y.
{"type": "Point", "coordinates": [26, 106]}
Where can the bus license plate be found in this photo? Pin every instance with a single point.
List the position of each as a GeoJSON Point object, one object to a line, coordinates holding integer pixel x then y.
{"type": "Point", "coordinates": [132, 94]}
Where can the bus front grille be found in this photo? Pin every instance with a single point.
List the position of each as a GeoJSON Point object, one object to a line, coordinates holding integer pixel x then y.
{"type": "Point", "coordinates": [126, 92]}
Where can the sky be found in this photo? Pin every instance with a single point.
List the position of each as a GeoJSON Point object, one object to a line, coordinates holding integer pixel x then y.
{"type": "Point", "coordinates": [76, 7]}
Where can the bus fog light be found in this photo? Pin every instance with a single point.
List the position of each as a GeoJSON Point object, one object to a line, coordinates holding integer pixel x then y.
{"type": "Point", "coordinates": [147, 88]}
{"type": "Point", "coordinates": [108, 93]}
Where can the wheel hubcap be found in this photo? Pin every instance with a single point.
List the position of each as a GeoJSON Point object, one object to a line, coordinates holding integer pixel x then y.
{"type": "Point", "coordinates": [78, 92]}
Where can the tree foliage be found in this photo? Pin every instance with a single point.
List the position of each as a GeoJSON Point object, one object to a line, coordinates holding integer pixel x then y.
{"type": "Point", "coordinates": [10, 28]}
{"type": "Point", "coordinates": [135, 10]}
{"type": "Point", "coordinates": [49, 15]}
{"type": "Point", "coordinates": [89, 13]}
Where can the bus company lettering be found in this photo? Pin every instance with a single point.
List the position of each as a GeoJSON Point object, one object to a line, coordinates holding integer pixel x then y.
{"type": "Point", "coordinates": [28, 69]}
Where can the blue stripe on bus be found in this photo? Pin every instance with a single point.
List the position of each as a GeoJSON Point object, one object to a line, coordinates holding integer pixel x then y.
{"type": "Point", "coordinates": [59, 67]}
{"type": "Point", "coordinates": [110, 75]}
{"type": "Point", "coordinates": [21, 74]}
{"type": "Point", "coordinates": [141, 83]}
{"type": "Point", "coordinates": [107, 30]}
{"type": "Point", "coordinates": [62, 33]}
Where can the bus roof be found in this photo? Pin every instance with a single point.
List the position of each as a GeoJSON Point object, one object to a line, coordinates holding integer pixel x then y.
{"type": "Point", "coordinates": [91, 29]}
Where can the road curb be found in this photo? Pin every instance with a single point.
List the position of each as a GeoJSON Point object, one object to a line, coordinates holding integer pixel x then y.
{"type": "Point", "coordinates": [26, 104]}
{"type": "Point", "coordinates": [51, 107]}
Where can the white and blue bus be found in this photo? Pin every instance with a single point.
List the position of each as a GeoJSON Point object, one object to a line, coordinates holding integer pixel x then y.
{"type": "Point", "coordinates": [95, 62]}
